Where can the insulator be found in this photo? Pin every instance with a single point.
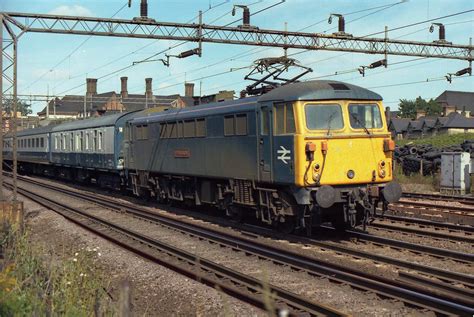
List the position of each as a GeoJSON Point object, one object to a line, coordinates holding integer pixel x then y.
{"type": "Point", "coordinates": [379, 63]}
{"type": "Point", "coordinates": [189, 53]}
{"type": "Point", "coordinates": [442, 33]}
{"type": "Point", "coordinates": [144, 9]}
{"type": "Point", "coordinates": [246, 17]}
{"type": "Point", "coordinates": [464, 71]}
{"type": "Point", "coordinates": [342, 24]}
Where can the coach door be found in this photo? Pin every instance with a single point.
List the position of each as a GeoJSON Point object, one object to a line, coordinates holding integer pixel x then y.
{"type": "Point", "coordinates": [265, 143]}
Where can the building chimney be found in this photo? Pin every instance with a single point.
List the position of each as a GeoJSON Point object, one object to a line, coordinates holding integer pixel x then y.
{"type": "Point", "coordinates": [148, 88]}
{"type": "Point", "coordinates": [467, 113]}
{"type": "Point", "coordinates": [189, 90]}
{"type": "Point", "coordinates": [420, 113]}
{"type": "Point", "coordinates": [124, 91]}
{"type": "Point", "coordinates": [91, 86]}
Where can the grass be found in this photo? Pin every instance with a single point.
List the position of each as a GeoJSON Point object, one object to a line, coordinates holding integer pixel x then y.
{"type": "Point", "coordinates": [440, 141]}
{"type": "Point", "coordinates": [34, 282]}
{"type": "Point", "coordinates": [416, 182]}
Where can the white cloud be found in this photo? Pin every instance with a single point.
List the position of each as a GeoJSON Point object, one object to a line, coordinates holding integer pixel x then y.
{"type": "Point", "coordinates": [75, 10]}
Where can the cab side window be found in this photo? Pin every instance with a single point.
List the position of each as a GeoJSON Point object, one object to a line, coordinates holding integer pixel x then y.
{"type": "Point", "coordinates": [284, 119]}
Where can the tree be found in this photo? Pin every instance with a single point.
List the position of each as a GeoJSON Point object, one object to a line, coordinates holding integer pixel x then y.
{"type": "Point", "coordinates": [408, 108]}
{"type": "Point", "coordinates": [22, 106]}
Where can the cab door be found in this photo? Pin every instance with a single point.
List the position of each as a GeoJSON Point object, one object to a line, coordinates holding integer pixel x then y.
{"type": "Point", "coordinates": [264, 133]}
{"type": "Point", "coordinates": [284, 130]}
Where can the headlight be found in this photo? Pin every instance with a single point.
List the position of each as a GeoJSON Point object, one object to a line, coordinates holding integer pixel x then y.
{"type": "Point", "coordinates": [350, 174]}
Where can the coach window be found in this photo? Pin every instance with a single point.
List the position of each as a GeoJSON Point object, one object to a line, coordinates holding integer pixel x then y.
{"type": "Point", "coordinates": [99, 141]}
{"type": "Point", "coordinates": [284, 119]}
{"type": "Point", "coordinates": [189, 129]}
{"type": "Point", "coordinates": [201, 127]}
{"type": "Point", "coordinates": [87, 141]}
{"type": "Point", "coordinates": [71, 142]}
{"type": "Point", "coordinates": [229, 125]}
{"type": "Point", "coordinates": [94, 141]}
{"type": "Point", "coordinates": [241, 124]}
{"type": "Point", "coordinates": [145, 132]}
{"type": "Point", "coordinates": [29, 143]}
{"type": "Point", "coordinates": [81, 141]}
{"type": "Point", "coordinates": [42, 142]}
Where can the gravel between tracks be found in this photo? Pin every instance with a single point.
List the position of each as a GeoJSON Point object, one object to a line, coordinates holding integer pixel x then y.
{"type": "Point", "coordinates": [156, 291]}
{"type": "Point", "coordinates": [318, 289]}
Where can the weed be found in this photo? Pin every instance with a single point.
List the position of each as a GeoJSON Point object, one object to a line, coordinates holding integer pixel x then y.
{"type": "Point", "coordinates": [35, 282]}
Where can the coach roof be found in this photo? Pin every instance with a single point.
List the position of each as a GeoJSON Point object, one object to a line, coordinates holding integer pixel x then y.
{"type": "Point", "coordinates": [104, 121]}
{"type": "Point", "coordinates": [319, 90]}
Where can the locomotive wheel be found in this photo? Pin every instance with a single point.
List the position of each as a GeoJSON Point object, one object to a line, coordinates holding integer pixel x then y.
{"type": "Point", "coordinates": [288, 226]}
{"type": "Point", "coordinates": [236, 213]}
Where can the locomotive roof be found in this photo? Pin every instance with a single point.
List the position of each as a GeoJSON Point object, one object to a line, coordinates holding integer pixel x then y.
{"type": "Point", "coordinates": [310, 90]}
{"type": "Point", "coordinates": [107, 120]}
{"type": "Point", "coordinates": [319, 90]}
{"type": "Point", "coordinates": [229, 106]}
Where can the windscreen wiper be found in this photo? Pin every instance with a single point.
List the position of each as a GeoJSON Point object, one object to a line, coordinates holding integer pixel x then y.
{"type": "Point", "coordinates": [330, 121]}
{"type": "Point", "coordinates": [360, 123]}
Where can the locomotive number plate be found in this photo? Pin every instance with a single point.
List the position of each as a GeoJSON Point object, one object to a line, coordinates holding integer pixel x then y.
{"type": "Point", "coordinates": [182, 153]}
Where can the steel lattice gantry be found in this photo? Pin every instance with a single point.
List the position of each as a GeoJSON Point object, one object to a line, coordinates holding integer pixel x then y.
{"type": "Point", "coordinates": [243, 35]}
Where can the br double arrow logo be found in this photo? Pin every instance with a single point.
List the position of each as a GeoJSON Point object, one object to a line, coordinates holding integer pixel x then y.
{"type": "Point", "coordinates": [284, 154]}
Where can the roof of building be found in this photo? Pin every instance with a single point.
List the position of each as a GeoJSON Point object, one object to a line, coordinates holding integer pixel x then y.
{"type": "Point", "coordinates": [462, 100]}
{"type": "Point", "coordinates": [66, 105]}
{"type": "Point", "coordinates": [399, 125]}
{"type": "Point", "coordinates": [319, 90]}
{"type": "Point", "coordinates": [458, 121]}
{"type": "Point", "coordinates": [415, 125]}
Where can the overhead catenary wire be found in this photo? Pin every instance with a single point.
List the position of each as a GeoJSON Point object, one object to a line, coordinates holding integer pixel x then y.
{"type": "Point", "coordinates": [70, 54]}
{"type": "Point", "coordinates": [163, 51]}
{"type": "Point", "coordinates": [257, 50]}
{"type": "Point", "coordinates": [137, 50]}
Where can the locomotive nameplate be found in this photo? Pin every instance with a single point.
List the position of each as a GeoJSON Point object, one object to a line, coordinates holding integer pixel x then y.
{"type": "Point", "coordinates": [182, 153]}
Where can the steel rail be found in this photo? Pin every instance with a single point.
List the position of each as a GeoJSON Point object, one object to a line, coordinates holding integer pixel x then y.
{"type": "Point", "coordinates": [422, 233]}
{"type": "Point", "coordinates": [233, 283]}
{"type": "Point", "coordinates": [468, 210]}
{"type": "Point", "coordinates": [437, 252]}
{"type": "Point", "coordinates": [411, 294]}
{"type": "Point", "coordinates": [468, 294]}
{"type": "Point", "coordinates": [434, 213]}
{"type": "Point", "coordinates": [424, 222]}
{"type": "Point", "coordinates": [440, 197]}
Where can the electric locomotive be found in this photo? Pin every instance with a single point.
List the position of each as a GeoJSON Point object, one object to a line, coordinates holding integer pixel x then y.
{"type": "Point", "coordinates": [298, 156]}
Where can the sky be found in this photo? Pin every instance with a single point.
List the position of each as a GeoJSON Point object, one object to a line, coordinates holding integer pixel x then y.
{"type": "Point", "coordinates": [57, 64]}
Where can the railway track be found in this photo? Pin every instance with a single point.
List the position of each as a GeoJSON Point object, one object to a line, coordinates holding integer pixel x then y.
{"type": "Point", "coordinates": [468, 200]}
{"type": "Point", "coordinates": [454, 214]}
{"type": "Point", "coordinates": [452, 227]}
{"type": "Point", "coordinates": [233, 283]}
{"type": "Point", "coordinates": [391, 227]}
{"type": "Point", "coordinates": [414, 294]}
